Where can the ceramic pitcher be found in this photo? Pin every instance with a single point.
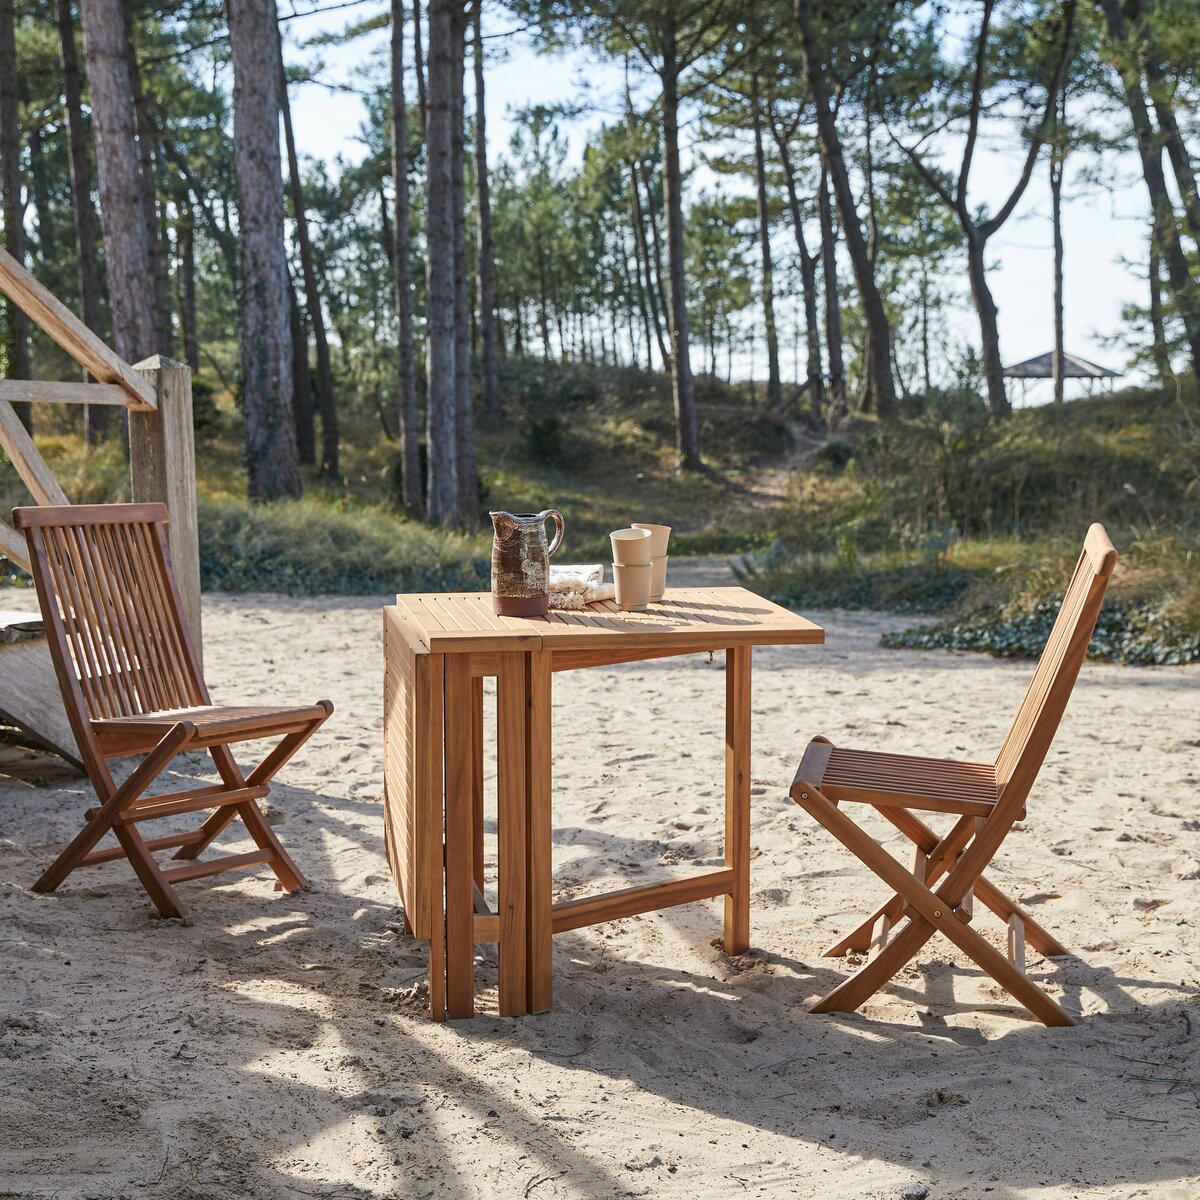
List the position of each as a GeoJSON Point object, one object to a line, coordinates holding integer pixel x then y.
{"type": "Point", "coordinates": [521, 562]}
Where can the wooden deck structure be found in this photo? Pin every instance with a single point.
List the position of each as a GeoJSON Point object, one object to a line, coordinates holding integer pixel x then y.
{"type": "Point", "coordinates": [157, 393]}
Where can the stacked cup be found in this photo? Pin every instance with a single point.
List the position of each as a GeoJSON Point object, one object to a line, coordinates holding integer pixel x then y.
{"type": "Point", "coordinates": [659, 536]}
{"type": "Point", "coordinates": [631, 567]}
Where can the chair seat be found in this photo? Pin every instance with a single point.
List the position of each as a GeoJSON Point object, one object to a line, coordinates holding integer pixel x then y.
{"type": "Point", "coordinates": [902, 780]}
{"type": "Point", "coordinates": [214, 723]}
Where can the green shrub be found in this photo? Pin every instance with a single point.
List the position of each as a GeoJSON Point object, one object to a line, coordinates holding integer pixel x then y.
{"type": "Point", "coordinates": [306, 548]}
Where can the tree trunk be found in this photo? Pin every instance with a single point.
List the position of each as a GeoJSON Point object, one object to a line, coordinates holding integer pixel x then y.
{"type": "Point", "coordinates": [1058, 155]}
{"type": "Point", "coordinates": [326, 401]}
{"type": "Point", "coordinates": [186, 243]}
{"type": "Point", "coordinates": [808, 278]}
{"type": "Point", "coordinates": [419, 65]}
{"type": "Point", "coordinates": [483, 236]}
{"type": "Point", "coordinates": [926, 357]}
{"type": "Point", "coordinates": [126, 252]}
{"type": "Point", "coordinates": [683, 388]}
{"type": "Point", "coordinates": [16, 349]}
{"type": "Point", "coordinates": [833, 305]}
{"type": "Point", "coordinates": [1166, 229]}
{"type": "Point", "coordinates": [1158, 328]}
{"type": "Point", "coordinates": [989, 329]}
{"type": "Point", "coordinates": [270, 432]}
{"type": "Point", "coordinates": [774, 383]}
{"type": "Point", "coordinates": [642, 248]}
{"type": "Point", "coordinates": [160, 311]}
{"type": "Point", "coordinates": [464, 417]}
{"type": "Point", "coordinates": [442, 496]}
{"type": "Point", "coordinates": [1172, 138]}
{"type": "Point", "coordinates": [410, 438]}
{"type": "Point", "coordinates": [878, 332]}
{"type": "Point", "coordinates": [96, 418]}
{"type": "Point", "coordinates": [656, 261]}
{"type": "Point", "coordinates": [302, 396]}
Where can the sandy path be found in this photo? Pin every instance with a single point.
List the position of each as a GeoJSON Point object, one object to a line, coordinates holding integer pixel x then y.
{"type": "Point", "coordinates": [277, 1048]}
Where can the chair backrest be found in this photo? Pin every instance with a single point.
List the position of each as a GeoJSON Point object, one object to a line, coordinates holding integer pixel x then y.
{"type": "Point", "coordinates": [1037, 719]}
{"type": "Point", "coordinates": [112, 611]}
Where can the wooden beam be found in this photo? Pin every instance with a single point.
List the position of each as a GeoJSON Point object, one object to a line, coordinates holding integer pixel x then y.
{"type": "Point", "coordinates": [27, 459]}
{"type": "Point", "coordinates": [162, 467]}
{"type": "Point", "coordinates": [53, 317]}
{"type": "Point", "coordinates": [613, 906]}
{"type": "Point", "coordinates": [50, 391]}
{"type": "Point", "coordinates": [13, 547]}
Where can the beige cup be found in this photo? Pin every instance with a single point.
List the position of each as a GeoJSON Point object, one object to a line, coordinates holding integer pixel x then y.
{"type": "Point", "coordinates": [659, 536]}
{"type": "Point", "coordinates": [631, 546]}
{"type": "Point", "coordinates": [658, 577]}
{"type": "Point", "coordinates": [633, 585]}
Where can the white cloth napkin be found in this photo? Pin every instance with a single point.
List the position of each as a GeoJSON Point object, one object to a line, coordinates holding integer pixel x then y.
{"type": "Point", "coordinates": [575, 585]}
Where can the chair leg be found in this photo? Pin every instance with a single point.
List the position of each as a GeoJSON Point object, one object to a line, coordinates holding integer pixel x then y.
{"type": "Point", "coordinates": [939, 854]}
{"type": "Point", "coordinates": [928, 912]}
{"type": "Point", "coordinates": [232, 777]}
{"type": "Point", "coordinates": [142, 776]}
{"type": "Point", "coordinates": [264, 837]}
{"type": "Point", "coordinates": [854, 991]}
{"type": "Point", "coordinates": [1036, 935]}
{"type": "Point", "coordinates": [147, 870]}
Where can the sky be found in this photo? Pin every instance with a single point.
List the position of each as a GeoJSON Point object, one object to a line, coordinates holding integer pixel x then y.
{"type": "Point", "coordinates": [1104, 227]}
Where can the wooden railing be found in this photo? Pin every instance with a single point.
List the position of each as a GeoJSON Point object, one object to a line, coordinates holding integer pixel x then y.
{"type": "Point", "coordinates": [158, 396]}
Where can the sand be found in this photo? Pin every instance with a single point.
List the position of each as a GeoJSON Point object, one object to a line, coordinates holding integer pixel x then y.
{"type": "Point", "coordinates": [278, 1046]}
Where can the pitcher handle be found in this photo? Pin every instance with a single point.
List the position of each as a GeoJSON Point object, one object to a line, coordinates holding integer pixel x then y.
{"type": "Point", "coordinates": [552, 514]}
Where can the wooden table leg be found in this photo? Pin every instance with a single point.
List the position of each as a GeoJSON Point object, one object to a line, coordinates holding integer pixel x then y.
{"type": "Point", "coordinates": [540, 947]}
{"type": "Point", "coordinates": [460, 857]}
{"type": "Point", "coordinates": [429, 762]}
{"type": "Point", "coordinates": [510, 747]}
{"type": "Point", "coordinates": [477, 778]}
{"type": "Point", "coordinates": [737, 797]}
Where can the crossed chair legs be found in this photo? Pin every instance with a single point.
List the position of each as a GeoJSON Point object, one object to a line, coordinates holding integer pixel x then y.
{"type": "Point", "coordinates": [123, 807]}
{"type": "Point", "coordinates": [929, 911]}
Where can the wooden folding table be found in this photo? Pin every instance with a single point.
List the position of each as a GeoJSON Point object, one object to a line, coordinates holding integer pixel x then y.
{"type": "Point", "coordinates": [437, 651]}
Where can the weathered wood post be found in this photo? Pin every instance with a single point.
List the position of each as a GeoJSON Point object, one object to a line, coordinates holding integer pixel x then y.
{"type": "Point", "coordinates": [162, 461]}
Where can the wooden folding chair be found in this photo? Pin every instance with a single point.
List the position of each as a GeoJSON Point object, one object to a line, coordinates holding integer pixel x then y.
{"type": "Point", "coordinates": [986, 798]}
{"type": "Point", "coordinates": [132, 685]}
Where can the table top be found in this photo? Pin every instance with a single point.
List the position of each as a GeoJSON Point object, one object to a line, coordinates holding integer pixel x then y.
{"type": "Point", "coordinates": [700, 618]}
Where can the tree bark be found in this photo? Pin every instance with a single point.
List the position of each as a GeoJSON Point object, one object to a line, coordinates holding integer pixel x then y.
{"type": "Point", "coordinates": [410, 448]}
{"type": "Point", "coordinates": [484, 252]}
{"type": "Point", "coordinates": [878, 332]}
{"type": "Point", "coordinates": [1172, 138]}
{"type": "Point", "coordinates": [419, 65]}
{"type": "Point", "coordinates": [1158, 328]}
{"type": "Point", "coordinates": [326, 401]}
{"type": "Point", "coordinates": [648, 296]}
{"type": "Point", "coordinates": [122, 192]}
{"type": "Point", "coordinates": [464, 417]}
{"type": "Point", "coordinates": [302, 397]}
{"type": "Point", "coordinates": [683, 388]}
{"type": "Point", "coordinates": [1058, 155]}
{"type": "Point", "coordinates": [774, 383]}
{"type": "Point", "coordinates": [270, 430]}
{"type": "Point", "coordinates": [442, 491]}
{"type": "Point", "coordinates": [808, 278]}
{"type": "Point", "coordinates": [186, 243]}
{"type": "Point", "coordinates": [81, 200]}
{"type": "Point", "coordinates": [16, 349]}
{"type": "Point", "coordinates": [833, 304]}
{"type": "Point", "coordinates": [160, 311]}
